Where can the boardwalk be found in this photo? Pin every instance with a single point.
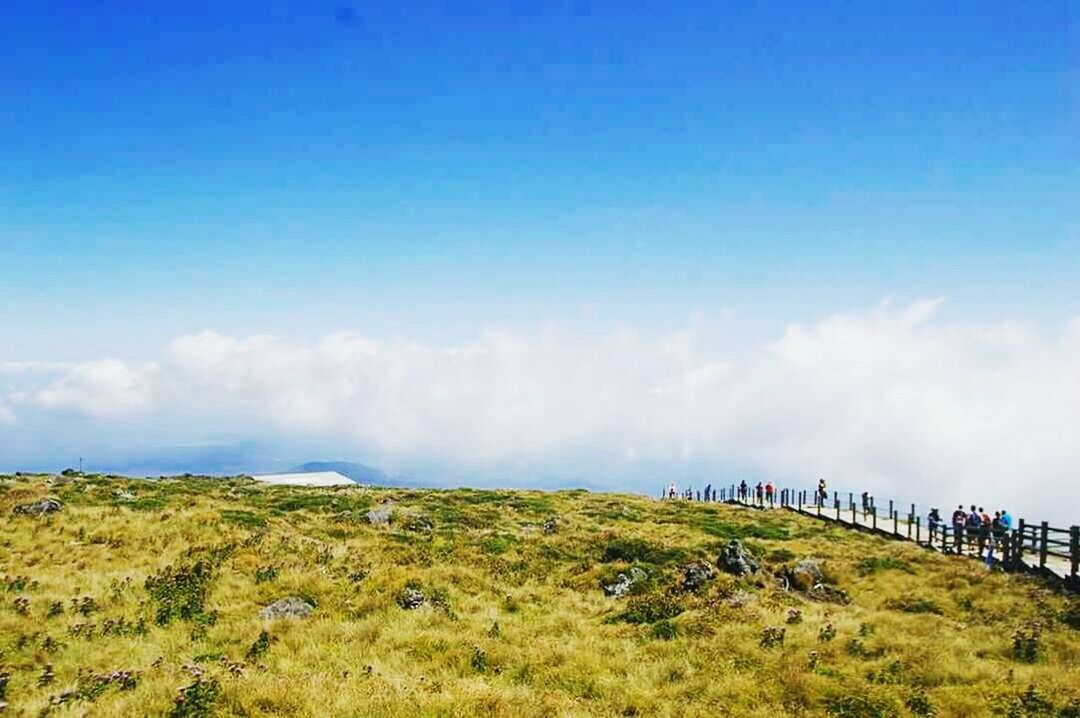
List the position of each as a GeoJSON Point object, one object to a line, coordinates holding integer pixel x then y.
{"type": "Point", "coordinates": [1034, 547]}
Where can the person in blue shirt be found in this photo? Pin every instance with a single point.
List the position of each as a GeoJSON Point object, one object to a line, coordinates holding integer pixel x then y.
{"type": "Point", "coordinates": [1006, 519]}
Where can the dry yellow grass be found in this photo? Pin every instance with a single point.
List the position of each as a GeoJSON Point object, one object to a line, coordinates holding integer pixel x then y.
{"type": "Point", "coordinates": [515, 624]}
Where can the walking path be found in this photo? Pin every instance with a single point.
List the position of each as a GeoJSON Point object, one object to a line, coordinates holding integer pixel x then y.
{"type": "Point", "coordinates": [899, 526]}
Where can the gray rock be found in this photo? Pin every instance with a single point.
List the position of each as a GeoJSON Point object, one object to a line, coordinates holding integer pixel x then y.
{"type": "Point", "coordinates": [122, 495]}
{"type": "Point", "coordinates": [737, 560]}
{"type": "Point", "coordinates": [551, 525]}
{"type": "Point", "coordinates": [411, 598]}
{"type": "Point", "coordinates": [288, 607]}
{"type": "Point", "coordinates": [38, 508]}
{"type": "Point", "coordinates": [696, 575]}
{"type": "Point", "coordinates": [380, 516]}
{"type": "Point", "coordinates": [624, 582]}
{"type": "Point", "coordinates": [805, 575]}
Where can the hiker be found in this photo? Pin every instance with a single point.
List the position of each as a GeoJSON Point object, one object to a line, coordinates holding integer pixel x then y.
{"type": "Point", "coordinates": [708, 488]}
{"type": "Point", "coordinates": [671, 490]}
{"type": "Point", "coordinates": [699, 495]}
{"type": "Point", "coordinates": [865, 501]}
{"type": "Point", "coordinates": [1006, 520]}
{"type": "Point", "coordinates": [770, 493]}
{"type": "Point", "coordinates": [933, 520]}
{"type": "Point", "coordinates": [984, 529]}
{"type": "Point", "coordinates": [743, 490]}
{"type": "Point", "coordinates": [821, 492]}
{"type": "Point", "coordinates": [974, 522]}
{"type": "Point", "coordinates": [958, 520]}
{"type": "Point", "coordinates": [759, 494]}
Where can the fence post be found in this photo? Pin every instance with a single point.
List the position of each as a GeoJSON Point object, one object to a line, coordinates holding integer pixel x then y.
{"type": "Point", "coordinates": [1020, 542]}
{"type": "Point", "coordinates": [851, 499]}
{"type": "Point", "coordinates": [1043, 536]}
{"type": "Point", "coordinates": [1074, 549]}
{"type": "Point", "coordinates": [944, 538]}
{"type": "Point", "coordinates": [917, 522]}
{"type": "Point", "coordinates": [890, 507]}
{"type": "Point", "coordinates": [896, 523]}
{"type": "Point", "coordinates": [873, 516]}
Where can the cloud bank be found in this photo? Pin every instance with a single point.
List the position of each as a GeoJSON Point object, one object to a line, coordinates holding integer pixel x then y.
{"type": "Point", "coordinates": [894, 399]}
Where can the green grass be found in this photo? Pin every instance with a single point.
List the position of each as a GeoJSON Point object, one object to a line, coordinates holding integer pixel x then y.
{"type": "Point", "coordinates": [118, 605]}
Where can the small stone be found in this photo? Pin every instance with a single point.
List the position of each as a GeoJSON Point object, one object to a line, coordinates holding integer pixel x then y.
{"type": "Point", "coordinates": [551, 525]}
{"type": "Point", "coordinates": [38, 508]}
{"type": "Point", "coordinates": [289, 607]}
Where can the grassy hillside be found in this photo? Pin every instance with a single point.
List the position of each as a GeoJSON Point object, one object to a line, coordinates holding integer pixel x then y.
{"type": "Point", "coordinates": [142, 598]}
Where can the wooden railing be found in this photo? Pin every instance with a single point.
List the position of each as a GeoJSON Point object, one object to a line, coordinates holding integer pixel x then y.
{"type": "Point", "coordinates": [1050, 550]}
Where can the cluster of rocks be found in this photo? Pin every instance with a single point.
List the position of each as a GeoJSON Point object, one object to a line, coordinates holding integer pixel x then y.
{"type": "Point", "coordinates": [734, 559]}
{"type": "Point", "coordinates": [288, 607]}
{"type": "Point", "coordinates": [624, 582]}
{"type": "Point", "coordinates": [551, 525]}
{"type": "Point", "coordinates": [38, 508]}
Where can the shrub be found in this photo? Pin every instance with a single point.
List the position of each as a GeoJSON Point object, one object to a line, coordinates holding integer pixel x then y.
{"type": "Point", "coordinates": [632, 550]}
{"type": "Point", "coordinates": [197, 699]}
{"type": "Point", "coordinates": [873, 564]}
{"type": "Point", "coordinates": [919, 704]}
{"type": "Point", "coordinates": [180, 591]}
{"type": "Point", "coordinates": [1025, 644]}
{"type": "Point", "coordinates": [826, 633]}
{"type": "Point", "coordinates": [479, 660]}
{"type": "Point", "coordinates": [772, 636]}
{"type": "Point", "coordinates": [651, 607]}
{"type": "Point", "coordinates": [265, 574]}
{"type": "Point", "coordinates": [663, 630]}
{"type": "Point", "coordinates": [860, 707]}
{"type": "Point", "coordinates": [912, 604]}
{"type": "Point", "coordinates": [260, 646]}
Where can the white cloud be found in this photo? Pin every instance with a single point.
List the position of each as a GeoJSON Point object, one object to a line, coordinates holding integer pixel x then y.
{"type": "Point", "coordinates": [894, 399]}
{"type": "Point", "coordinates": [104, 388]}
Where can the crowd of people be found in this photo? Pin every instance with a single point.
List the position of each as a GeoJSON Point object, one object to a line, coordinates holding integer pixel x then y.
{"type": "Point", "coordinates": [973, 530]}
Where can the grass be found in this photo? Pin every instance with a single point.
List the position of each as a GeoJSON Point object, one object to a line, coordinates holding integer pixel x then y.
{"type": "Point", "coordinates": [142, 598]}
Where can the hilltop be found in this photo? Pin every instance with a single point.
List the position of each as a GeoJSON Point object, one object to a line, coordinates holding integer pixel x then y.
{"type": "Point", "coordinates": [150, 598]}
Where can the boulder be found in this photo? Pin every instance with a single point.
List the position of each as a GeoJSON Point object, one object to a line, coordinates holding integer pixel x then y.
{"type": "Point", "coordinates": [38, 508]}
{"type": "Point", "coordinates": [806, 574]}
{"type": "Point", "coordinates": [380, 516]}
{"type": "Point", "coordinates": [624, 582]}
{"type": "Point", "coordinates": [551, 525]}
{"type": "Point", "coordinates": [288, 607]}
{"type": "Point", "coordinates": [696, 575]}
{"type": "Point", "coordinates": [736, 560]}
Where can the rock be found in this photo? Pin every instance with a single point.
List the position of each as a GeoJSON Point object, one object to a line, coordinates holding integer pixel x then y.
{"type": "Point", "coordinates": [410, 598]}
{"type": "Point", "coordinates": [380, 516]}
{"type": "Point", "coordinates": [696, 575]}
{"type": "Point", "coordinates": [38, 508]}
{"type": "Point", "coordinates": [122, 495]}
{"type": "Point", "coordinates": [807, 577]}
{"type": "Point", "coordinates": [624, 582]}
{"type": "Point", "coordinates": [551, 525]}
{"type": "Point", "coordinates": [806, 574]}
{"type": "Point", "coordinates": [419, 523]}
{"type": "Point", "coordinates": [289, 607]}
{"type": "Point", "coordinates": [737, 560]}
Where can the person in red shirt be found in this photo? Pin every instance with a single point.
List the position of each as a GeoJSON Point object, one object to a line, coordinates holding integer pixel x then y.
{"type": "Point", "coordinates": [770, 493]}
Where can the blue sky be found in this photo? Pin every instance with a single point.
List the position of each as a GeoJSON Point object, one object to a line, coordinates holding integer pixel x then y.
{"type": "Point", "coordinates": [429, 172]}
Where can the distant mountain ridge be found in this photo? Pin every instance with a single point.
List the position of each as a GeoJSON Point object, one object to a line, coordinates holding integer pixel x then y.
{"type": "Point", "coordinates": [361, 474]}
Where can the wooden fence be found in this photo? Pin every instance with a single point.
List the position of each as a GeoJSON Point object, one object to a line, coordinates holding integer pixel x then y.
{"type": "Point", "coordinates": [1049, 550]}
